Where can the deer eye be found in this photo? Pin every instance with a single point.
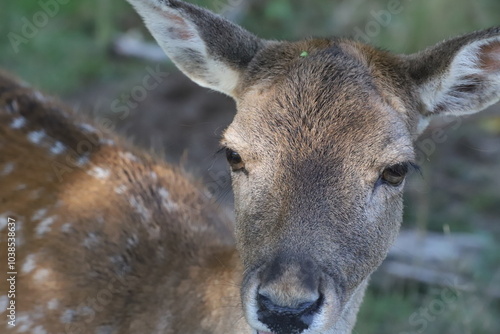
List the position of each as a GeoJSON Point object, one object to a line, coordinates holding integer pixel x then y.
{"type": "Point", "coordinates": [234, 160]}
{"type": "Point", "coordinates": [395, 174]}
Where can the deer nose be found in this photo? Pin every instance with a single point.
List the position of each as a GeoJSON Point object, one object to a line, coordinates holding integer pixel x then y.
{"type": "Point", "coordinates": [289, 294]}
{"type": "Point", "coordinates": [284, 319]}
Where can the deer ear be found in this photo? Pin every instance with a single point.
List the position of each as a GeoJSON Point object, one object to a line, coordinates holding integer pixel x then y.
{"type": "Point", "coordinates": [458, 76]}
{"type": "Point", "coordinates": [210, 50]}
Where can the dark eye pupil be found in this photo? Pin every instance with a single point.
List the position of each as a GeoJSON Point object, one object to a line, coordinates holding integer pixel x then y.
{"type": "Point", "coordinates": [232, 156]}
{"type": "Point", "coordinates": [234, 160]}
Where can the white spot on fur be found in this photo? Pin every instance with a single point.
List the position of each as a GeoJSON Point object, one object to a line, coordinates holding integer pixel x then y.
{"type": "Point", "coordinates": [38, 330]}
{"type": "Point", "coordinates": [87, 127]}
{"type": "Point", "coordinates": [4, 303]}
{"type": "Point", "coordinates": [164, 192]}
{"type": "Point", "coordinates": [107, 141]}
{"type": "Point", "coordinates": [7, 169]}
{"type": "Point", "coordinates": [166, 201]}
{"type": "Point", "coordinates": [82, 161]}
{"type": "Point", "coordinates": [29, 264]}
{"type": "Point", "coordinates": [120, 190]}
{"type": "Point", "coordinates": [18, 122]}
{"type": "Point", "coordinates": [24, 321]}
{"type": "Point", "coordinates": [53, 304]}
{"type": "Point", "coordinates": [85, 311]}
{"type": "Point", "coordinates": [66, 228]}
{"type": "Point", "coordinates": [68, 316]}
{"type": "Point", "coordinates": [3, 221]}
{"type": "Point", "coordinates": [128, 156]}
{"type": "Point", "coordinates": [99, 173]}
{"type": "Point", "coordinates": [121, 265]}
{"type": "Point", "coordinates": [44, 226]}
{"type": "Point", "coordinates": [19, 234]}
{"type": "Point", "coordinates": [132, 241]}
{"type": "Point", "coordinates": [21, 186]}
{"type": "Point", "coordinates": [57, 148]}
{"type": "Point", "coordinates": [154, 176]}
{"type": "Point", "coordinates": [39, 214]}
{"type": "Point", "coordinates": [90, 240]}
{"type": "Point", "coordinates": [13, 106]}
{"type": "Point", "coordinates": [36, 136]}
{"type": "Point", "coordinates": [41, 274]}
{"type": "Point", "coordinates": [140, 209]}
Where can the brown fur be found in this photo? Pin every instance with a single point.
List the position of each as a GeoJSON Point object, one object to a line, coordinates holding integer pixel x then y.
{"type": "Point", "coordinates": [319, 123]}
{"type": "Point", "coordinates": [110, 258]}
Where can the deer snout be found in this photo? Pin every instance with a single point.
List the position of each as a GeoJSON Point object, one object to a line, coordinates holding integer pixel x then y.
{"type": "Point", "coordinates": [283, 319]}
{"type": "Point", "coordinates": [289, 297]}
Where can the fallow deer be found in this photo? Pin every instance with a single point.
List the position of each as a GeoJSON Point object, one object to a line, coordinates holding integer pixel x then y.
{"type": "Point", "coordinates": [113, 240]}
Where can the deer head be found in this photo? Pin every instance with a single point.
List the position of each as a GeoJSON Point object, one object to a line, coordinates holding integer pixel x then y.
{"type": "Point", "coordinates": [319, 149]}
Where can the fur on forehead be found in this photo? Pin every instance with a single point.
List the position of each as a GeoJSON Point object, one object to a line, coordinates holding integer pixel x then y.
{"type": "Point", "coordinates": [324, 60]}
{"type": "Point", "coordinates": [330, 85]}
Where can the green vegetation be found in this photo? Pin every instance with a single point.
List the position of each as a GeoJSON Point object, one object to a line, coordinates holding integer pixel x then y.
{"type": "Point", "coordinates": [67, 50]}
{"type": "Point", "coordinates": [70, 50]}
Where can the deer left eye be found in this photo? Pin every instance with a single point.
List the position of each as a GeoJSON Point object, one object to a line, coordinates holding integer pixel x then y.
{"type": "Point", "coordinates": [234, 160]}
{"type": "Point", "coordinates": [395, 174]}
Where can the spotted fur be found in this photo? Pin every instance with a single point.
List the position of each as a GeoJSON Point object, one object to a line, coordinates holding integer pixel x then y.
{"type": "Point", "coordinates": [93, 254]}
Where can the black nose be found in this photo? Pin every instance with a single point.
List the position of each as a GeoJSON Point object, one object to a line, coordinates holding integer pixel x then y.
{"type": "Point", "coordinates": [287, 320]}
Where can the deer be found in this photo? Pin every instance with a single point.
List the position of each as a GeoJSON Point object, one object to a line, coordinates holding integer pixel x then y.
{"type": "Point", "coordinates": [107, 238]}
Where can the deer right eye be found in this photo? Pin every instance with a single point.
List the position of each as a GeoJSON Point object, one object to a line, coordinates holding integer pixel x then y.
{"type": "Point", "coordinates": [234, 160]}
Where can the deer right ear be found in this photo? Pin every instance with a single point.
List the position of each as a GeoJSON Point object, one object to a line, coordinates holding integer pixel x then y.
{"type": "Point", "coordinates": [458, 76]}
{"type": "Point", "coordinates": [210, 50]}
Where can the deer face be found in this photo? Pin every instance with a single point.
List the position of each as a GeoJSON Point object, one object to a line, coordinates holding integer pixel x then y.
{"type": "Point", "coordinates": [318, 160]}
{"type": "Point", "coordinates": [319, 150]}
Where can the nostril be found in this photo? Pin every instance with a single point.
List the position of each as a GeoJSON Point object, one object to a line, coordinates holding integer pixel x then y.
{"type": "Point", "coordinates": [267, 304]}
{"type": "Point", "coordinates": [287, 319]}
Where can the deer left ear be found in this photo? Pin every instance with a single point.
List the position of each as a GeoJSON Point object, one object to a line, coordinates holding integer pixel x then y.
{"type": "Point", "coordinates": [458, 76]}
{"type": "Point", "coordinates": [210, 50]}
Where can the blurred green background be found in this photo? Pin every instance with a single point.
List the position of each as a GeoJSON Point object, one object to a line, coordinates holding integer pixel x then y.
{"type": "Point", "coordinates": [70, 55]}
{"type": "Point", "coordinates": [70, 50]}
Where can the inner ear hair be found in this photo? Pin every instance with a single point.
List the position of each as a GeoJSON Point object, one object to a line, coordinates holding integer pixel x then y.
{"type": "Point", "coordinates": [209, 49]}
{"type": "Point", "coordinates": [460, 75]}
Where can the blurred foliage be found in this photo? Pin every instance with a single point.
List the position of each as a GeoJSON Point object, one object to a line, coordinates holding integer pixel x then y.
{"type": "Point", "coordinates": [71, 51]}
{"type": "Point", "coordinates": [417, 23]}
{"type": "Point", "coordinates": [67, 51]}
{"type": "Point", "coordinates": [397, 312]}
